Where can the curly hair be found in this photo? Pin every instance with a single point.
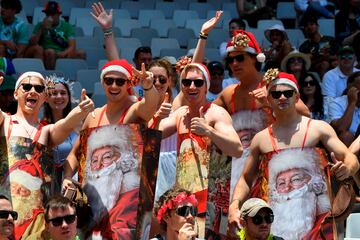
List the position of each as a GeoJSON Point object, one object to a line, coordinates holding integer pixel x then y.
{"type": "Point", "coordinates": [166, 197]}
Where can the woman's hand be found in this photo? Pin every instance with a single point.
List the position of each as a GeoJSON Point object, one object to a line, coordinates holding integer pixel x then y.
{"type": "Point", "coordinates": [100, 15]}
{"type": "Point", "coordinates": [211, 23]}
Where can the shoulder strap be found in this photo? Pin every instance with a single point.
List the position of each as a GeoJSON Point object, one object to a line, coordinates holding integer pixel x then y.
{"type": "Point", "coordinates": [10, 127]}
{"type": "Point", "coordinates": [272, 139]}
{"type": "Point", "coordinates": [306, 132]}
{"type": "Point", "coordinates": [121, 120]}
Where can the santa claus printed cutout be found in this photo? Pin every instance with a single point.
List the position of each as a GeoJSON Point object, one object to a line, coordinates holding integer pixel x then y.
{"type": "Point", "coordinates": [26, 168]}
{"type": "Point", "coordinates": [118, 169]}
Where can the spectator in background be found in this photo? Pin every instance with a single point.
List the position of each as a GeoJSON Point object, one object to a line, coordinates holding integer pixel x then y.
{"type": "Point", "coordinates": [53, 38]}
{"type": "Point", "coordinates": [335, 81]}
{"type": "Point", "coordinates": [279, 48]}
{"type": "Point", "coordinates": [216, 70]}
{"type": "Point", "coordinates": [344, 111]}
{"type": "Point", "coordinates": [7, 100]}
{"type": "Point", "coordinates": [296, 63]}
{"type": "Point", "coordinates": [310, 94]}
{"type": "Point", "coordinates": [60, 219]}
{"type": "Point", "coordinates": [7, 218]}
{"type": "Point", "coordinates": [254, 10]}
{"type": "Point", "coordinates": [142, 55]}
{"type": "Point", "coordinates": [13, 31]}
{"type": "Point", "coordinates": [234, 24]}
{"type": "Point", "coordinates": [57, 107]}
{"type": "Point", "coordinates": [314, 7]}
{"type": "Point", "coordinates": [347, 20]}
{"type": "Point", "coordinates": [322, 49]}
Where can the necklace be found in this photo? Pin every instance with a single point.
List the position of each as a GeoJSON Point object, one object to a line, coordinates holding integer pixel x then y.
{"type": "Point", "coordinates": [25, 128]}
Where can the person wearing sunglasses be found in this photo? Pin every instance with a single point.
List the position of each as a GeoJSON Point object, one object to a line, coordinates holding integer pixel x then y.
{"type": "Point", "coordinates": [175, 211]}
{"type": "Point", "coordinates": [256, 217]}
{"type": "Point", "coordinates": [7, 218]}
{"type": "Point", "coordinates": [60, 219]}
{"type": "Point", "coordinates": [291, 142]}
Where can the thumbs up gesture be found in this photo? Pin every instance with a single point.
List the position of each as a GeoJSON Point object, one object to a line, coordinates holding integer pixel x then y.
{"type": "Point", "coordinates": [199, 124]}
{"type": "Point", "coordinates": [165, 108]}
{"type": "Point", "coordinates": [339, 169]}
{"type": "Point", "coordinates": [146, 77]}
{"type": "Point", "coordinates": [86, 104]}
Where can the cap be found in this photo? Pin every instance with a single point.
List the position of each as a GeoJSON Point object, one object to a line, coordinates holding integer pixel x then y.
{"type": "Point", "coordinates": [277, 27]}
{"type": "Point", "coordinates": [252, 206]}
{"type": "Point", "coordinates": [52, 7]}
{"type": "Point", "coordinates": [345, 49]}
{"type": "Point", "coordinates": [215, 64]}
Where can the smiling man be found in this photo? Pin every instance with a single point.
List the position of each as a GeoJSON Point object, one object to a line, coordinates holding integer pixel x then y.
{"type": "Point", "coordinates": [290, 143]}
{"type": "Point", "coordinates": [7, 218]}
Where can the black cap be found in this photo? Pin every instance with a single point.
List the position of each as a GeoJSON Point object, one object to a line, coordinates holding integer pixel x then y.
{"type": "Point", "coordinates": [52, 7]}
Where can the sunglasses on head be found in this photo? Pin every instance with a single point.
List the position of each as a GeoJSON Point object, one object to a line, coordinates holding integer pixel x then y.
{"type": "Point", "coordinates": [184, 211]}
{"type": "Point", "coordinates": [286, 93]}
{"type": "Point", "coordinates": [238, 58]}
{"type": "Point", "coordinates": [28, 86]}
{"type": "Point", "coordinates": [119, 81]}
{"type": "Point", "coordinates": [162, 79]}
{"type": "Point", "coordinates": [58, 221]}
{"type": "Point", "coordinates": [4, 214]}
{"type": "Point", "coordinates": [309, 83]}
{"type": "Point", "coordinates": [197, 82]}
{"type": "Point", "coordinates": [257, 219]}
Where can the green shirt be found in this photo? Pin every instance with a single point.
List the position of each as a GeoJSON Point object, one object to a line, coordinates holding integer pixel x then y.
{"type": "Point", "coordinates": [56, 37]}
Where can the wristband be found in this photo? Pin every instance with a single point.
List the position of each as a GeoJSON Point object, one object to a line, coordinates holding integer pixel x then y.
{"type": "Point", "coordinates": [203, 35]}
{"type": "Point", "coordinates": [147, 89]}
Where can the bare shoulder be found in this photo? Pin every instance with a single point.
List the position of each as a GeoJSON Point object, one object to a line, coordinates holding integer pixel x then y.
{"type": "Point", "coordinates": [90, 121]}
{"type": "Point", "coordinates": [224, 97]}
{"type": "Point", "coordinates": [320, 127]}
{"type": "Point", "coordinates": [216, 111]}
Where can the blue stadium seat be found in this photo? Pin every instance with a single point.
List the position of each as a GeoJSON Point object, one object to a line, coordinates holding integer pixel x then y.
{"type": "Point", "coordinates": [168, 8]}
{"type": "Point", "coordinates": [180, 17]}
{"type": "Point", "coordinates": [160, 43]}
{"type": "Point", "coordinates": [352, 226]}
{"type": "Point", "coordinates": [327, 27]}
{"type": "Point", "coordinates": [144, 35]}
{"type": "Point", "coordinates": [28, 64]}
{"type": "Point", "coordinates": [146, 15]}
{"type": "Point", "coordinates": [194, 24]}
{"type": "Point", "coordinates": [182, 35]}
{"type": "Point", "coordinates": [201, 8]}
{"type": "Point", "coordinates": [70, 66]}
{"type": "Point", "coordinates": [88, 78]}
{"type": "Point", "coordinates": [285, 10]}
{"type": "Point", "coordinates": [162, 26]}
{"type": "Point", "coordinates": [125, 26]}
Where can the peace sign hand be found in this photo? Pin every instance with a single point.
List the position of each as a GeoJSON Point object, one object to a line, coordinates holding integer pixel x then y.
{"type": "Point", "coordinates": [146, 77]}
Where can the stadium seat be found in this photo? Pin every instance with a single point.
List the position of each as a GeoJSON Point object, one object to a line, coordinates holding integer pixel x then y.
{"type": "Point", "coordinates": [230, 7]}
{"type": "Point", "coordinates": [48, 73]}
{"type": "Point", "coordinates": [127, 47]}
{"type": "Point", "coordinates": [78, 12]}
{"type": "Point", "coordinates": [194, 24]}
{"type": "Point", "coordinates": [28, 7]}
{"type": "Point", "coordinates": [182, 35]}
{"type": "Point", "coordinates": [168, 8]}
{"type": "Point", "coordinates": [352, 226]}
{"type": "Point", "coordinates": [87, 42]}
{"type": "Point", "coordinates": [296, 37]}
{"type": "Point", "coordinates": [146, 15]}
{"type": "Point", "coordinates": [264, 24]}
{"type": "Point", "coordinates": [175, 52]}
{"type": "Point", "coordinates": [93, 55]}
{"type": "Point", "coordinates": [108, 4]}
{"type": "Point", "coordinates": [133, 8]}
{"type": "Point", "coordinates": [285, 10]}
{"type": "Point", "coordinates": [70, 66]}
{"type": "Point", "coordinates": [192, 42]}
{"type": "Point", "coordinates": [76, 89]}
{"type": "Point", "coordinates": [201, 8]}
{"type": "Point", "coordinates": [327, 27]}
{"type": "Point", "coordinates": [125, 26]}
{"type": "Point", "coordinates": [218, 36]}
{"type": "Point", "coordinates": [162, 26]}
{"type": "Point", "coordinates": [99, 100]}
{"type": "Point", "coordinates": [121, 13]}
{"type": "Point", "coordinates": [88, 78]}
{"type": "Point", "coordinates": [78, 32]}
{"type": "Point", "coordinates": [212, 54]}
{"type": "Point", "coordinates": [99, 34]}
{"type": "Point", "coordinates": [87, 24]}
{"type": "Point", "coordinates": [101, 63]}
{"type": "Point", "coordinates": [28, 64]}
{"type": "Point", "coordinates": [144, 35]}
{"type": "Point", "coordinates": [160, 43]}
{"type": "Point", "coordinates": [180, 17]}
{"type": "Point", "coordinates": [98, 90]}
{"type": "Point", "coordinates": [38, 15]}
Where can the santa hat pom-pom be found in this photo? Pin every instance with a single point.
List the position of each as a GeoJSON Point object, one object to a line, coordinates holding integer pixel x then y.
{"type": "Point", "coordinates": [260, 57]}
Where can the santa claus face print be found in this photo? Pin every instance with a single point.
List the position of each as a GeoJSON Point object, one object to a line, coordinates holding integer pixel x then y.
{"type": "Point", "coordinates": [104, 157]}
{"type": "Point", "coordinates": [291, 179]}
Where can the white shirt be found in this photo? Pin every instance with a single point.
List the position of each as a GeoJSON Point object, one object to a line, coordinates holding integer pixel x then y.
{"type": "Point", "coordinates": [303, 4]}
{"type": "Point", "coordinates": [222, 49]}
{"type": "Point", "coordinates": [337, 109]}
{"type": "Point", "coordinates": [229, 81]}
{"type": "Point", "coordinates": [211, 96]}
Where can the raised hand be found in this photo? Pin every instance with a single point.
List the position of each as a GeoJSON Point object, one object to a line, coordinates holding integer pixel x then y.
{"type": "Point", "coordinates": [146, 77]}
{"type": "Point", "coordinates": [260, 94]}
{"type": "Point", "coordinates": [211, 23]}
{"type": "Point", "coordinates": [86, 104]}
{"type": "Point", "coordinates": [101, 16]}
{"type": "Point", "coordinates": [187, 232]}
{"type": "Point", "coordinates": [339, 169]}
{"type": "Point", "coordinates": [199, 125]}
{"type": "Point", "coordinates": [165, 108]}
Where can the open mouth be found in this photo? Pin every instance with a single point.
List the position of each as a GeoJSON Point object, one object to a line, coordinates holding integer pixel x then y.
{"type": "Point", "coordinates": [114, 93]}
{"type": "Point", "coordinates": [31, 102]}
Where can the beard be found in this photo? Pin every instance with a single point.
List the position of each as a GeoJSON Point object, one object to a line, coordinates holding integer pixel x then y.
{"type": "Point", "coordinates": [102, 188]}
{"type": "Point", "coordinates": [295, 213]}
{"type": "Point", "coordinates": [237, 167]}
{"type": "Point", "coordinates": [24, 206]}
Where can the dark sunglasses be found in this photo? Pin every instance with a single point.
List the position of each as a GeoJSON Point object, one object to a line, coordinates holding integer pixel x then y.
{"type": "Point", "coordinates": [257, 219]}
{"type": "Point", "coordinates": [309, 83]}
{"type": "Point", "coordinates": [197, 82]}
{"type": "Point", "coordinates": [119, 81]}
{"type": "Point", "coordinates": [184, 211]}
{"type": "Point", "coordinates": [295, 59]}
{"type": "Point", "coordinates": [277, 94]}
{"type": "Point", "coordinates": [28, 86]}
{"type": "Point", "coordinates": [238, 58]}
{"type": "Point", "coordinates": [4, 214]}
{"type": "Point", "coordinates": [58, 221]}
{"type": "Point", "coordinates": [162, 79]}
{"type": "Point", "coordinates": [346, 56]}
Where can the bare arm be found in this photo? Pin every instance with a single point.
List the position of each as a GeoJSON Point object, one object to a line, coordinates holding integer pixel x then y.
{"type": "Point", "coordinates": [105, 22]}
{"type": "Point", "coordinates": [62, 128]}
{"type": "Point", "coordinates": [168, 125]}
{"type": "Point", "coordinates": [355, 146]}
{"type": "Point", "coordinates": [302, 109]}
{"type": "Point", "coordinates": [205, 29]}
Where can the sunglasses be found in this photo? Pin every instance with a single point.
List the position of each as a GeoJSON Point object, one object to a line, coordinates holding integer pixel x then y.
{"type": "Point", "coordinates": [295, 59]}
{"type": "Point", "coordinates": [184, 211]}
{"type": "Point", "coordinates": [58, 221]}
{"type": "Point", "coordinates": [119, 81]}
{"type": "Point", "coordinates": [28, 86]}
{"type": "Point", "coordinates": [309, 83]}
{"type": "Point", "coordinates": [346, 56]}
{"type": "Point", "coordinates": [197, 82]}
{"type": "Point", "coordinates": [162, 79]}
{"type": "Point", "coordinates": [257, 219]}
{"type": "Point", "coordinates": [238, 58]}
{"type": "Point", "coordinates": [4, 214]}
{"type": "Point", "coordinates": [277, 94]}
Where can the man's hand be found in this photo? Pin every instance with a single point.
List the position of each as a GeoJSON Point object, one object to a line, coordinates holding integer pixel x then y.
{"type": "Point", "coordinates": [146, 77]}
{"type": "Point", "coordinates": [339, 169]}
{"type": "Point", "coordinates": [47, 22]}
{"type": "Point", "coordinates": [187, 232]}
{"type": "Point", "coordinates": [86, 104]}
{"type": "Point", "coordinates": [260, 94]}
{"type": "Point", "coordinates": [101, 16]}
{"type": "Point", "coordinates": [199, 125]}
{"type": "Point", "coordinates": [62, 54]}
{"type": "Point", "coordinates": [352, 95]}
{"type": "Point", "coordinates": [211, 23]}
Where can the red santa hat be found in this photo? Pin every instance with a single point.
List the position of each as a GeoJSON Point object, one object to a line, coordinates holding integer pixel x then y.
{"type": "Point", "coordinates": [202, 68]}
{"type": "Point", "coordinates": [27, 179]}
{"type": "Point", "coordinates": [245, 41]}
{"type": "Point", "coordinates": [120, 65]}
{"type": "Point", "coordinates": [279, 78]}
